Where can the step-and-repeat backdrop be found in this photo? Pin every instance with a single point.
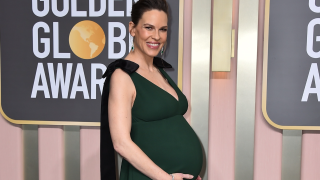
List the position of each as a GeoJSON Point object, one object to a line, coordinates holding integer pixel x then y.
{"type": "Point", "coordinates": [54, 52]}
{"type": "Point", "coordinates": [291, 71]}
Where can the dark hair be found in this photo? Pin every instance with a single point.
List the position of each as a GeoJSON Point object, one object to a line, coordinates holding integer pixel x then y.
{"type": "Point", "coordinates": [143, 6]}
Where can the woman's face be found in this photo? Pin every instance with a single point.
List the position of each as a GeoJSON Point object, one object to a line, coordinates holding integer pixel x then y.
{"type": "Point", "coordinates": [150, 34]}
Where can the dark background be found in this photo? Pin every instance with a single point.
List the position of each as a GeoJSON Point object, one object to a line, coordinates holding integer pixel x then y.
{"type": "Point", "coordinates": [289, 64]}
{"type": "Point", "coordinates": [19, 64]}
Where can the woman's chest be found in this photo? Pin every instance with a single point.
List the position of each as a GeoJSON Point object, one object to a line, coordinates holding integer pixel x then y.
{"type": "Point", "coordinates": [153, 103]}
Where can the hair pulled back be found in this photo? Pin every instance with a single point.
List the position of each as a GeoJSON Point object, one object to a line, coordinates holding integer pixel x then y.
{"type": "Point", "coordinates": [143, 6]}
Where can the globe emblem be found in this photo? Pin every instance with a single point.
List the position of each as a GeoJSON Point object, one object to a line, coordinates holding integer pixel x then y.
{"type": "Point", "coordinates": [87, 39]}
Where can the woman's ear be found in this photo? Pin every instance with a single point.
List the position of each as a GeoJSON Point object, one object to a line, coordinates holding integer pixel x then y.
{"type": "Point", "coordinates": [132, 29]}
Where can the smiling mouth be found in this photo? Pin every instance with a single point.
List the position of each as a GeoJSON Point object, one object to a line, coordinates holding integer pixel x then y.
{"type": "Point", "coordinates": [153, 45]}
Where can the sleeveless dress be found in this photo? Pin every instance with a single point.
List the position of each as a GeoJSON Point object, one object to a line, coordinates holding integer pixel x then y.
{"type": "Point", "coordinates": [158, 127]}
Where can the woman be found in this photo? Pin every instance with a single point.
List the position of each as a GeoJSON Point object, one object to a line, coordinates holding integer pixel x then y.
{"type": "Point", "coordinates": [143, 108]}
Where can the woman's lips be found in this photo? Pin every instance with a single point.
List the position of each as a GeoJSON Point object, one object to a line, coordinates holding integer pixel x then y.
{"type": "Point", "coordinates": [153, 45]}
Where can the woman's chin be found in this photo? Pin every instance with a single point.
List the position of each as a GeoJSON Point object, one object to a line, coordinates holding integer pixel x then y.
{"type": "Point", "coordinates": [152, 54]}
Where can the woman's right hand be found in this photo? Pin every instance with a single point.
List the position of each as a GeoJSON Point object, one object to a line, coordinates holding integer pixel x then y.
{"type": "Point", "coordinates": [180, 176]}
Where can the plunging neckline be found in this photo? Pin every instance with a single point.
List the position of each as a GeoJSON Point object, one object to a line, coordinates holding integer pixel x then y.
{"type": "Point", "coordinates": [177, 100]}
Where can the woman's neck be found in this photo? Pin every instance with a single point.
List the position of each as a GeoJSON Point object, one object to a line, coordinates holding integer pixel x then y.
{"type": "Point", "coordinates": [145, 62]}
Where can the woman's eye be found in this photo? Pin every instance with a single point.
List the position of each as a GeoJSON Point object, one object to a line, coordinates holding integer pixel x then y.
{"type": "Point", "coordinates": [149, 28]}
{"type": "Point", "coordinates": [164, 30]}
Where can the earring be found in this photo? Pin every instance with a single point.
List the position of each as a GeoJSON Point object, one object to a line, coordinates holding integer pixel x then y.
{"type": "Point", "coordinates": [132, 40]}
{"type": "Point", "coordinates": [161, 51]}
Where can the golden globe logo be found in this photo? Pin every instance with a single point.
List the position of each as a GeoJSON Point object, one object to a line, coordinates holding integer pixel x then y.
{"type": "Point", "coordinates": [87, 39]}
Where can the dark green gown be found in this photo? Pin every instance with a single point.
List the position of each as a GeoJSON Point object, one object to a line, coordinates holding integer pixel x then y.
{"type": "Point", "coordinates": [159, 128]}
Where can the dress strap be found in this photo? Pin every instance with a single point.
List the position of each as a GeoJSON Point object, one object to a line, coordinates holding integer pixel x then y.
{"type": "Point", "coordinates": [130, 66]}
{"type": "Point", "coordinates": [127, 66]}
{"type": "Point", "coordinates": [160, 63]}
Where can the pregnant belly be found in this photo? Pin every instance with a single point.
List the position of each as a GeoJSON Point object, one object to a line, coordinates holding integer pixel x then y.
{"type": "Point", "coordinates": [170, 143]}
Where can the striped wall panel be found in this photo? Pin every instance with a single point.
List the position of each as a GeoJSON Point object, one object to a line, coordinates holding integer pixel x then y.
{"type": "Point", "coordinates": [222, 116]}
{"type": "Point", "coordinates": [11, 151]}
{"type": "Point", "coordinates": [268, 140]}
{"type": "Point", "coordinates": [51, 152]}
{"type": "Point", "coordinates": [90, 153]}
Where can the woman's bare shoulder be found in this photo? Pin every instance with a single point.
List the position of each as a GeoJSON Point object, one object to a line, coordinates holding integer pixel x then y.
{"type": "Point", "coordinates": [119, 74]}
{"type": "Point", "coordinates": [121, 81]}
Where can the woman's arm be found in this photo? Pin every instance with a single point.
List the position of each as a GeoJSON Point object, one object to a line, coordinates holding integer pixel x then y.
{"type": "Point", "coordinates": [121, 98]}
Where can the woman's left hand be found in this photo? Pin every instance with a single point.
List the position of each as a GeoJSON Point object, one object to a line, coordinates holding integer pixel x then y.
{"type": "Point", "coordinates": [198, 178]}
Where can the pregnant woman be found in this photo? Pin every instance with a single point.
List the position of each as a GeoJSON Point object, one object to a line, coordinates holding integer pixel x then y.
{"type": "Point", "coordinates": [142, 108]}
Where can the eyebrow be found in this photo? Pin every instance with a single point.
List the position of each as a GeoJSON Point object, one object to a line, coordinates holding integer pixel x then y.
{"type": "Point", "coordinates": [153, 25]}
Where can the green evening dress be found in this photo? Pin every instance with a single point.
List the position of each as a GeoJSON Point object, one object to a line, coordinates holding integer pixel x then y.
{"type": "Point", "coordinates": [159, 128]}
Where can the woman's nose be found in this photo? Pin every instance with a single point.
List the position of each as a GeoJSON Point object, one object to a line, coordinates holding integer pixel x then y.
{"type": "Point", "coordinates": [156, 35]}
